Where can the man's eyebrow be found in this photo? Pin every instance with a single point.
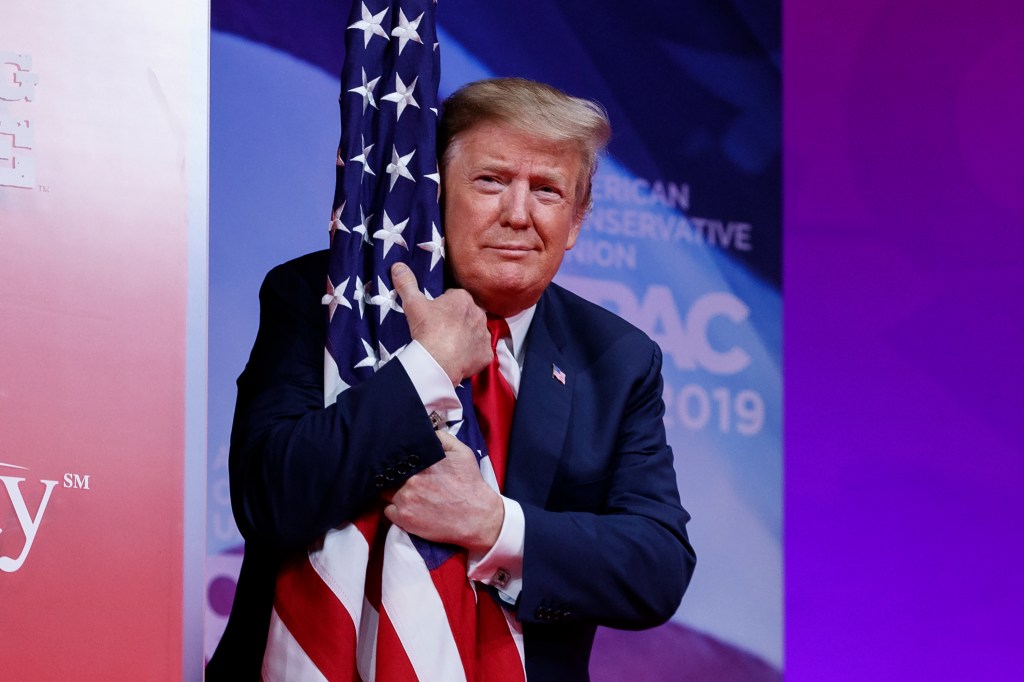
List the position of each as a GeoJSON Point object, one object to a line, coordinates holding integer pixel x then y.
{"type": "Point", "coordinates": [551, 175]}
{"type": "Point", "coordinates": [492, 165]}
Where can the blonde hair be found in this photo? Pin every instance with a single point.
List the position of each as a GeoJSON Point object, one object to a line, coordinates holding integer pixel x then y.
{"type": "Point", "coordinates": [534, 108]}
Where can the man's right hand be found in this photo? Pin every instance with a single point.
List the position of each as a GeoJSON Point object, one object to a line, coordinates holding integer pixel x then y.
{"type": "Point", "coordinates": [451, 327]}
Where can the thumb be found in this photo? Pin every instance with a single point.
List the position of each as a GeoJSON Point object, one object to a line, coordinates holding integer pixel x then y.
{"type": "Point", "coordinates": [453, 446]}
{"type": "Point", "coordinates": [406, 285]}
{"type": "Point", "coordinates": [448, 442]}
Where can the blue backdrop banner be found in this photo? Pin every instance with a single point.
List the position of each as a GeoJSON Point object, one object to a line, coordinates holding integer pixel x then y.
{"type": "Point", "coordinates": [684, 241]}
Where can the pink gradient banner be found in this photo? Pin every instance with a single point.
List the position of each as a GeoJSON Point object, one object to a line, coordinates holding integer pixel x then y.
{"type": "Point", "coordinates": [93, 252]}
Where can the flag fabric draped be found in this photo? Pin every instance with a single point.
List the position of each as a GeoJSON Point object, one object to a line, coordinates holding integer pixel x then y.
{"type": "Point", "coordinates": [371, 602]}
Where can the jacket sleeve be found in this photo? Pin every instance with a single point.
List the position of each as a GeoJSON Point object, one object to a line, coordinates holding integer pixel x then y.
{"type": "Point", "coordinates": [610, 550]}
{"type": "Point", "coordinates": [298, 468]}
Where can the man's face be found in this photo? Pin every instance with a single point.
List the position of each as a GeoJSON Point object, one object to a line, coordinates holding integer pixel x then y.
{"type": "Point", "coordinates": [510, 214]}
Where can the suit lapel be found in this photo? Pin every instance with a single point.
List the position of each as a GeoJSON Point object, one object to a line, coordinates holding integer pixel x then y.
{"type": "Point", "coordinates": [541, 417]}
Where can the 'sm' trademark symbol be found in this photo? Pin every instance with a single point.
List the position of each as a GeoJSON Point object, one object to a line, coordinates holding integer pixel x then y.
{"type": "Point", "coordinates": [76, 482]}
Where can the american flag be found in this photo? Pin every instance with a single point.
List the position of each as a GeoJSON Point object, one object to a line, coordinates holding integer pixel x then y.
{"type": "Point", "coordinates": [339, 613]}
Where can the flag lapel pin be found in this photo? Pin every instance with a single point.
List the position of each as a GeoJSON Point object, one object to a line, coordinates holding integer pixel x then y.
{"type": "Point", "coordinates": [558, 374]}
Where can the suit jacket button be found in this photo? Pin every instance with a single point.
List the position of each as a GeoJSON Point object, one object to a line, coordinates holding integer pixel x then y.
{"type": "Point", "coordinates": [390, 474]}
{"type": "Point", "coordinates": [378, 480]}
{"type": "Point", "coordinates": [403, 468]}
{"type": "Point", "coordinates": [413, 459]}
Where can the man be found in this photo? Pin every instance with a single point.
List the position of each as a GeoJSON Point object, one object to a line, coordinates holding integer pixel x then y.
{"type": "Point", "coordinates": [588, 529]}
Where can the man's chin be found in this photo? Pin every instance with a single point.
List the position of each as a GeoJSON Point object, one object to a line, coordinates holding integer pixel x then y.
{"type": "Point", "coordinates": [507, 300]}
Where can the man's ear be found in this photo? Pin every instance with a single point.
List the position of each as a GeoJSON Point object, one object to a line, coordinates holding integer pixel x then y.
{"type": "Point", "coordinates": [579, 213]}
{"type": "Point", "coordinates": [574, 229]}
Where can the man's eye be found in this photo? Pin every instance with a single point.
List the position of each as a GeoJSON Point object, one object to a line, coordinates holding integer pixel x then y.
{"type": "Point", "coordinates": [488, 182]}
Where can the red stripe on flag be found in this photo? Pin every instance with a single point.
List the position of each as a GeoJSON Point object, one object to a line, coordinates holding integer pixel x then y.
{"type": "Point", "coordinates": [367, 523]}
{"type": "Point", "coordinates": [497, 651]}
{"type": "Point", "coordinates": [393, 663]}
{"type": "Point", "coordinates": [459, 602]}
{"type": "Point", "coordinates": [329, 636]}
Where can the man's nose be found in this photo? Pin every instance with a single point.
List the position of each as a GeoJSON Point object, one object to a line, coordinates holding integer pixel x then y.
{"type": "Point", "coordinates": [515, 209]}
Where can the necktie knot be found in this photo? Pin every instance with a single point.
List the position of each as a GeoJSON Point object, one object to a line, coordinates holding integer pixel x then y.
{"type": "Point", "coordinates": [498, 328]}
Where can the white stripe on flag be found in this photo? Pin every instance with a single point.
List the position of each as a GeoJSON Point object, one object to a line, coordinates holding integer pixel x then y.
{"type": "Point", "coordinates": [366, 652]}
{"type": "Point", "coordinates": [487, 473]}
{"type": "Point", "coordinates": [341, 564]}
{"type": "Point", "coordinates": [284, 658]}
{"type": "Point", "coordinates": [417, 613]}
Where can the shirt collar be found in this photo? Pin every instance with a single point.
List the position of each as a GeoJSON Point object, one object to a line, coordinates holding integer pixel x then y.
{"type": "Point", "coordinates": [519, 325]}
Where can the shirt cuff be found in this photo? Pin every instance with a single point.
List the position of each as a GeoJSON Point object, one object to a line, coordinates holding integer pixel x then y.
{"type": "Point", "coordinates": [501, 566]}
{"type": "Point", "coordinates": [432, 383]}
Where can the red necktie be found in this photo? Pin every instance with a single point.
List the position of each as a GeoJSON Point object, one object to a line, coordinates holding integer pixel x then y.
{"type": "Point", "coordinates": [494, 403]}
{"type": "Point", "coordinates": [497, 655]}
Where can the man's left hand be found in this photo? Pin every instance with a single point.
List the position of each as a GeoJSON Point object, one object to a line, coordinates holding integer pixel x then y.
{"type": "Point", "coordinates": [449, 501]}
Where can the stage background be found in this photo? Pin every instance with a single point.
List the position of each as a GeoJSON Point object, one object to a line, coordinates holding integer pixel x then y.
{"type": "Point", "coordinates": [683, 241]}
{"type": "Point", "coordinates": [904, 160]}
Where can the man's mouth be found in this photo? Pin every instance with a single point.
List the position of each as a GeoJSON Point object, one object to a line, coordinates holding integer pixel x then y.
{"type": "Point", "coordinates": [520, 248]}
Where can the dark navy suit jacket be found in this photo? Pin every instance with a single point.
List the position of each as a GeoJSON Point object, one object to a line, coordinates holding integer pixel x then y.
{"type": "Point", "coordinates": [605, 533]}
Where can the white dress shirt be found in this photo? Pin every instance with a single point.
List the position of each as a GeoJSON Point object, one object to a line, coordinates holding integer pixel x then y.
{"type": "Point", "coordinates": [501, 567]}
